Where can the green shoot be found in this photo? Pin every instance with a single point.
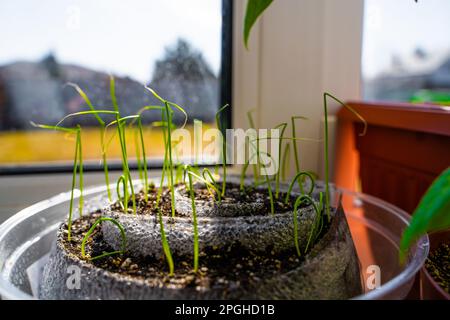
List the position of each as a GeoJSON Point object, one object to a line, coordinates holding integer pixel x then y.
{"type": "Point", "coordinates": [125, 167]}
{"type": "Point", "coordinates": [327, 172]}
{"type": "Point", "coordinates": [302, 199]}
{"type": "Point", "coordinates": [104, 254]}
{"type": "Point", "coordinates": [318, 221]}
{"type": "Point", "coordinates": [206, 172]}
{"type": "Point", "coordinates": [169, 142]}
{"type": "Point", "coordinates": [122, 180]}
{"type": "Point", "coordinates": [282, 128]}
{"type": "Point", "coordinates": [112, 92]}
{"type": "Point", "coordinates": [255, 166]}
{"type": "Point", "coordinates": [298, 179]}
{"type": "Point", "coordinates": [144, 159]}
{"type": "Point", "coordinates": [172, 104]}
{"type": "Point", "coordinates": [80, 171]}
{"type": "Point", "coordinates": [210, 186]}
{"type": "Point", "coordinates": [137, 151]}
{"type": "Point", "coordinates": [285, 162]}
{"type": "Point", "coordinates": [194, 218]}
{"type": "Point", "coordinates": [167, 116]}
{"type": "Point", "coordinates": [165, 243]}
{"type": "Point", "coordinates": [102, 128]}
{"type": "Point", "coordinates": [224, 149]}
{"type": "Point", "coordinates": [266, 175]}
{"type": "Point", "coordinates": [77, 164]}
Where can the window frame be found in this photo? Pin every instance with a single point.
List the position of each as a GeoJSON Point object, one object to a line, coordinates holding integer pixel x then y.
{"type": "Point", "coordinates": [226, 116]}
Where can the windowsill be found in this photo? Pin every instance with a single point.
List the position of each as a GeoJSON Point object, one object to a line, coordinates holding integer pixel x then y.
{"type": "Point", "coordinates": [417, 117]}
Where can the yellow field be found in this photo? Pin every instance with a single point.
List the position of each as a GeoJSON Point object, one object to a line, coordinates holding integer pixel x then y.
{"type": "Point", "coordinates": [43, 146]}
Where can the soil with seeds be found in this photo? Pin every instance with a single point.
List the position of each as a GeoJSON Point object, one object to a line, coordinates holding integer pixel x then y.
{"type": "Point", "coordinates": [233, 195]}
{"type": "Point", "coordinates": [438, 265]}
{"type": "Point", "coordinates": [227, 268]}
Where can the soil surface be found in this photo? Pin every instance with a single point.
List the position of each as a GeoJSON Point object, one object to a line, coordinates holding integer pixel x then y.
{"type": "Point", "coordinates": [233, 195]}
{"type": "Point", "coordinates": [438, 265]}
{"type": "Point", "coordinates": [227, 268]}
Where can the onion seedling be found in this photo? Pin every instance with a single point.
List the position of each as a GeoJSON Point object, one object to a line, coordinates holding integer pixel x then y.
{"type": "Point", "coordinates": [298, 179]}
{"type": "Point", "coordinates": [165, 243]}
{"type": "Point", "coordinates": [327, 173]}
{"type": "Point", "coordinates": [167, 118]}
{"type": "Point", "coordinates": [194, 217]}
{"type": "Point", "coordinates": [256, 168]}
{"type": "Point", "coordinates": [102, 135]}
{"type": "Point", "coordinates": [300, 200]}
{"type": "Point", "coordinates": [224, 148]}
{"type": "Point", "coordinates": [77, 164]}
{"type": "Point", "coordinates": [282, 128]}
{"type": "Point", "coordinates": [104, 254]}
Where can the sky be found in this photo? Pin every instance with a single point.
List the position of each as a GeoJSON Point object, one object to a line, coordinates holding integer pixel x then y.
{"type": "Point", "coordinates": [122, 37]}
{"type": "Point", "coordinates": [398, 27]}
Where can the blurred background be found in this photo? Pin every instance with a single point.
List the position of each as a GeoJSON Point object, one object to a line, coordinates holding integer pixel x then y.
{"type": "Point", "coordinates": [172, 46]}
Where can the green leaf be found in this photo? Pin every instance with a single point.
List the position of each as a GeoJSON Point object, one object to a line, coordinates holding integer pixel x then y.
{"type": "Point", "coordinates": [432, 213]}
{"type": "Point", "coordinates": [254, 9]}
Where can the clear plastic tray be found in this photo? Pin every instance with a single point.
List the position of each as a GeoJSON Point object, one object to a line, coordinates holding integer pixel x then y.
{"type": "Point", "coordinates": [376, 226]}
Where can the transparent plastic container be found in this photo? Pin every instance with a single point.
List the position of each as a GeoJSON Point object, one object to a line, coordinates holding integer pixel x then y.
{"type": "Point", "coordinates": [376, 226]}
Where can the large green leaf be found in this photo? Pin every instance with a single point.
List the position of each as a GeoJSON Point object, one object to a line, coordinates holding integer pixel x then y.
{"type": "Point", "coordinates": [254, 9]}
{"type": "Point", "coordinates": [432, 213]}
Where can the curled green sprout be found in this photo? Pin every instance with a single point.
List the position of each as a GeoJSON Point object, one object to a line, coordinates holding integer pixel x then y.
{"type": "Point", "coordinates": [122, 181]}
{"type": "Point", "coordinates": [267, 181]}
{"type": "Point", "coordinates": [206, 173]}
{"type": "Point", "coordinates": [297, 179]}
{"type": "Point", "coordinates": [104, 254]}
{"type": "Point", "coordinates": [300, 200]}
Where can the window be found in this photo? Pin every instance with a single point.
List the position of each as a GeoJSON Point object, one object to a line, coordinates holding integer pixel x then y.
{"type": "Point", "coordinates": [179, 48]}
{"type": "Point", "coordinates": [406, 51]}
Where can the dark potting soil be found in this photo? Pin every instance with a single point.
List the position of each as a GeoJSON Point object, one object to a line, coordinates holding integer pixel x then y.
{"type": "Point", "coordinates": [438, 265]}
{"type": "Point", "coordinates": [225, 268]}
{"type": "Point", "coordinates": [233, 195]}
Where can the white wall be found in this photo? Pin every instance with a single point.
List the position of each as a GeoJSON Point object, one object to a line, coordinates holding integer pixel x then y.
{"type": "Point", "coordinates": [298, 50]}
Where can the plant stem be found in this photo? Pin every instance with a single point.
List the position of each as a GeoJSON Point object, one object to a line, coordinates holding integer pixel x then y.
{"type": "Point", "coordinates": [224, 149]}
{"type": "Point", "coordinates": [80, 171]}
{"type": "Point", "coordinates": [104, 160]}
{"type": "Point", "coordinates": [74, 177]}
{"type": "Point", "coordinates": [165, 243]}
{"type": "Point", "coordinates": [144, 159]}
{"type": "Point", "coordinates": [277, 176]}
{"type": "Point", "coordinates": [194, 220]}
{"type": "Point", "coordinates": [91, 230]}
{"type": "Point", "coordinates": [327, 178]}
{"type": "Point", "coordinates": [256, 165]}
{"type": "Point", "coordinates": [169, 141]}
{"type": "Point", "coordinates": [126, 169]}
